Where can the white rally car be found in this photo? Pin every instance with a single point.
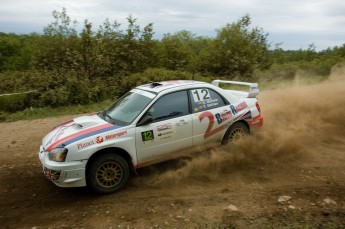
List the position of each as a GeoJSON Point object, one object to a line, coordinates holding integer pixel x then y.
{"type": "Point", "coordinates": [149, 124]}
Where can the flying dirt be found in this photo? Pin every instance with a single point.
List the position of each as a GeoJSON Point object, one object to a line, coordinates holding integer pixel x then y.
{"type": "Point", "coordinates": [297, 119]}
{"type": "Point", "coordinates": [289, 175]}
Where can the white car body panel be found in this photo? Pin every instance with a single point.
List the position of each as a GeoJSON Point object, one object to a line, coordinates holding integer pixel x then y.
{"type": "Point", "coordinates": [171, 135]}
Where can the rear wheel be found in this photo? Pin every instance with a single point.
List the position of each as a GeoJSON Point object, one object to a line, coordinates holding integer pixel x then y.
{"type": "Point", "coordinates": [237, 131]}
{"type": "Point", "coordinates": [107, 173]}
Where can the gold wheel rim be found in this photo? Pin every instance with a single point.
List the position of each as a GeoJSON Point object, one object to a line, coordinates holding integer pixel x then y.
{"type": "Point", "coordinates": [109, 174]}
{"type": "Point", "coordinates": [237, 134]}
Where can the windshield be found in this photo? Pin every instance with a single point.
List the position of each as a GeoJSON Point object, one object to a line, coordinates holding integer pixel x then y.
{"type": "Point", "coordinates": [128, 107]}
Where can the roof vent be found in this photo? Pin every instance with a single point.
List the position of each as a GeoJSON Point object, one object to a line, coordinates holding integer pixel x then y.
{"type": "Point", "coordinates": [155, 84]}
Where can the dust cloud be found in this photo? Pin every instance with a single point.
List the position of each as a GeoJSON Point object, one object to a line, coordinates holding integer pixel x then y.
{"type": "Point", "coordinates": [297, 121]}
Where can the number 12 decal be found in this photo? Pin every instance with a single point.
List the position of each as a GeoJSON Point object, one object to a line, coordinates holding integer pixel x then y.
{"type": "Point", "coordinates": [147, 135]}
{"type": "Point", "coordinates": [209, 132]}
{"type": "Point", "coordinates": [200, 94]}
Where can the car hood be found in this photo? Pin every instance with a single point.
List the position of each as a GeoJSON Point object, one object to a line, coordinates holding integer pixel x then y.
{"type": "Point", "coordinates": [76, 130]}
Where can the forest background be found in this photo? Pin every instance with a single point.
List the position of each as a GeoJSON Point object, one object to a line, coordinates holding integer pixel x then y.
{"type": "Point", "coordinates": [63, 67]}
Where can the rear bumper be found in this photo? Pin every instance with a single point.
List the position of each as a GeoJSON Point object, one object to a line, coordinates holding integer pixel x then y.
{"type": "Point", "coordinates": [256, 122]}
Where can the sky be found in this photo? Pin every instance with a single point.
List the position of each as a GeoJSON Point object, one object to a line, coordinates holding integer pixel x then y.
{"type": "Point", "coordinates": [290, 24]}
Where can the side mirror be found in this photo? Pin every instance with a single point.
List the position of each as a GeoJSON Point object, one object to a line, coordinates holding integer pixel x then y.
{"type": "Point", "coordinates": [146, 119]}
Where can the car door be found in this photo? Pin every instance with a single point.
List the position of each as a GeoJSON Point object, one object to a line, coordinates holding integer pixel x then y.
{"type": "Point", "coordinates": [169, 132]}
{"type": "Point", "coordinates": [211, 115]}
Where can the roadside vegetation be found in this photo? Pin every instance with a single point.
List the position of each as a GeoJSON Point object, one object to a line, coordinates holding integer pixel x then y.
{"type": "Point", "coordinates": [66, 71]}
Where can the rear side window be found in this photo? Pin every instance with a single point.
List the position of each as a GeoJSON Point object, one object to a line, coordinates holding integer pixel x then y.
{"type": "Point", "coordinates": [170, 106]}
{"type": "Point", "coordinates": [205, 99]}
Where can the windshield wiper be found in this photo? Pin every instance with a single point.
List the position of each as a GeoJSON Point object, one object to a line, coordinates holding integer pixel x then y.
{"type": "Point", "coordinates": [109, 117]}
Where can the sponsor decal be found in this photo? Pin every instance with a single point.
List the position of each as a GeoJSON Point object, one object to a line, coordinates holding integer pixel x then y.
{"type": "Point", "coordinates": [247, 115]}
{"type": "Point", "coordinates": [166, 126]}
{"type": "Point", "coordinates": [117, 135]}
{"type": "Point", "coordinates": [233, 109]}
{"type": "Point", "coordinates": [257, 121]}
{"type": "Point", "coordinates": [205, 104]}
{"type": "Point", "coordinates": [51, 174]}
{"type": "Point", "coordinates": [99, 140]}
{"type": "Point", "coordinates": [210, 130]}
{"type": "Point", "coordinates": [166, 135]}
{"type": "Point", "coordinates": [212, 102]}
{"type": "Point", "coordinates": [238, 108]}
{"type": "Point", "coordinates": [147, 135]}
{"type": "Point", "coordinates": [85, 144]}
{"type": "Point", "coordinates": [222, 117]}
{"type": "Point", "coordinates": [241, 106]}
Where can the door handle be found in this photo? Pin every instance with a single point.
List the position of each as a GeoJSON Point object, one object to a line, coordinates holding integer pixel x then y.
{"type": "Point", "coordinates": [182, 122]}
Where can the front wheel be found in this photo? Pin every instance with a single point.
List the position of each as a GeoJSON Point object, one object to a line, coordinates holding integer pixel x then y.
{"type": "Point", "coordinates": [107, 173]}
{"type": "Point", "coordinates": [237, 131]}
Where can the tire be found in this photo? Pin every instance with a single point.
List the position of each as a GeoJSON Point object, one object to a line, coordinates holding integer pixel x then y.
{"type": "Point", "coordinates": [107, 173]}
{"type": "Point", "coordinates": [236, 131]}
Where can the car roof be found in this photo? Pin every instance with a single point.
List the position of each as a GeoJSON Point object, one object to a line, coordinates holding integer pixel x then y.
{"type": "Point", "coordinates": [157, 87]}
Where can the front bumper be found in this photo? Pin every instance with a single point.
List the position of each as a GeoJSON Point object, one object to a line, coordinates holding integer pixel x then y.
{"type": "Point", "coordinates": [63, 174]}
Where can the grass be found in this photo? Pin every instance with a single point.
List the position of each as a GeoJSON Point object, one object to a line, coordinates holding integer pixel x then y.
{"type": "Point", "coordinates": [37, 113]}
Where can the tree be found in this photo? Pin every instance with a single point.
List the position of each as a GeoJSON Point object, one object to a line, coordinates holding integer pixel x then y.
{"type": "Point", "coordinates": [135, 48]}
{"type": "Point", "coordinates": [236, 51]}
{"type": "Point", "coordinates": [175, 51]}
{"type": "Point", "coordinates": [108, 39]}
{"type": "Point", "coordinates": [58, 43]}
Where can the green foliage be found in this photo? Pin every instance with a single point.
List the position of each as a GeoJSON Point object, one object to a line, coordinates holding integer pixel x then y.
{"type": "Point", "coordinates": [236, 51]}
{"type": "Point", "coordinates": [52, 90]}
{"type": "Point", "coordinates": [12, 103]}
{"type": "Point", "coordinates": [16, 51]}
{"type": "Point", "coordinates": [179, 51]}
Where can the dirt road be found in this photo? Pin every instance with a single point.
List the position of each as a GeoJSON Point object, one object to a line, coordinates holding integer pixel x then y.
{"type": "Point", "coordinates": [291, 175]}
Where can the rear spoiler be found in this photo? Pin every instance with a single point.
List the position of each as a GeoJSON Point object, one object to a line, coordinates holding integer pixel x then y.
{"type": "Point", "coordinates": [253, 87]}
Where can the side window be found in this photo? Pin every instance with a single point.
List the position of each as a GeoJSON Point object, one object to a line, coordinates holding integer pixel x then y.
{"type": "Point", "coordinates": [170, 106]}
{"type": "Point", "coordinates": [205, 99]}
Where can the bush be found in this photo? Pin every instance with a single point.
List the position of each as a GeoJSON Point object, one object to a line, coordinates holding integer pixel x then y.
{"type": "Point", "coordinates": [12, 103]}
{"type": "Point", "coordinates": [52, 90]}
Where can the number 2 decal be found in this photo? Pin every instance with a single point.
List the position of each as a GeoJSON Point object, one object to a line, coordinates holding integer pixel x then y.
{"type": "Point", "coordinates": [209, 132]}
{"type": "Point", "coordinates": [200, 95]}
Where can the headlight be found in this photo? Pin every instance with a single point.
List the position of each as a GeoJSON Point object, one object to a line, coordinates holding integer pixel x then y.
{"type": "Point", "coordinates": [58, 154]}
